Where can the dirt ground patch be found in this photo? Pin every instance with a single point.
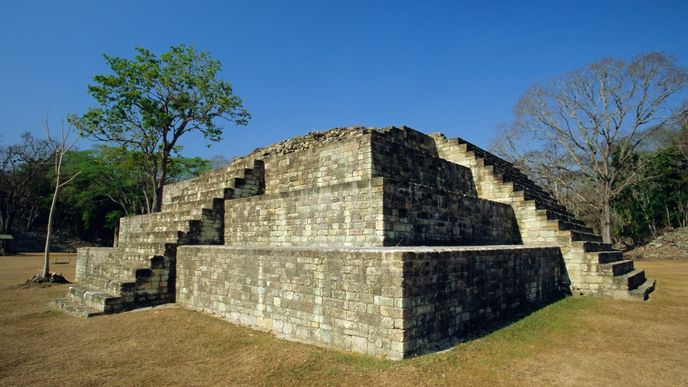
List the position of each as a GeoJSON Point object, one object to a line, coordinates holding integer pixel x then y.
{"type": "Point", "coordinates": [577, 341]}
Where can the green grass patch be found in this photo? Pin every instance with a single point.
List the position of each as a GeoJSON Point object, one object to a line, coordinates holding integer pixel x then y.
{"type": "Point", "coordinates": [520, 338]}
{"type": "Point", "coordinates": [556, 317]}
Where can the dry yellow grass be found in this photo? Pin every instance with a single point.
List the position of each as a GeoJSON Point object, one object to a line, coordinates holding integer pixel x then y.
{"type": "Point", "coordinates": [577, 341]}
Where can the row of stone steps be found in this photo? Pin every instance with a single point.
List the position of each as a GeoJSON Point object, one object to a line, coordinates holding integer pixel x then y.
{"type": "Point", "coordinates": [118, 284]}
{"type": "Point", "coordinates": [220, 183]}
{"type": "Point", "coordinates": [529, 188]}
{"type": "Point", "coordinates": [593, 267]}
{"type": "Point", "coordinates": [140, 272]}
{"type": "Point", "coordinates": [507, 173]}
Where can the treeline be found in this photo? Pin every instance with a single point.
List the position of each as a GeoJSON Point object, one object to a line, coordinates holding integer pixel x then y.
{"type": "Point", "coordinates": [659, 201]}
{"type": "Point", "coordinates": [111, 183]}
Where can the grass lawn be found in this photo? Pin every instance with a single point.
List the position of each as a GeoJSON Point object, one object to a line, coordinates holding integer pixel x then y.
{"type": "Point", "coordinates": [577, 341]}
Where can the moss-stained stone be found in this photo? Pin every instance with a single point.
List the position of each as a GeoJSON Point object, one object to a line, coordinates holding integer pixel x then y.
{"type": "Point", "coordinates": [324, 239]}
{"type": "Point", "coordinates": [323, 295]}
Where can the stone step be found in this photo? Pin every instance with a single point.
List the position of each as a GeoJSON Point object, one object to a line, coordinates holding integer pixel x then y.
{"type": "Point", "coordinates": [146, 248]}
{"type": "Point", "coordinates": [133, 242]}
{"type": "Point", "coordinates": [207, 185]}
{"type": "Point", "coordinates": [617, 268]}
{"type": "Point", "coordinates": [541, 200]}
{"type": "Point", "coordinates": [539, 194]}
{"type": "Point", "coordinates": [159, 237]}
{"type": "Point", "coordinates": [583, 236]}
{"type": "Point", "coordinates": [142, 252]}
{"type": "Point", "coordinates": [204, 193]}
{"type": "Point", "coordinates": [548, 214]}
{"type": "Point", "coordinates": [591, 247]}
{"type": "Point", "coordinates": [169, 223]}
{"type": "Point", "coordinates": [170, 235]}
{"type": "Point", "coordinates": [629, 281]}
{"type": "Point", "coordinates": [193, 209]}
{"type": "Point", "coordinates": [108, 284]}
{"type": "Point", "coordinates": [564, 225]}
{"type": "Point", "coordinates": [553, 213]}
{"type": "Point", "coordinates": [642, 292]}
{"type": "Point", "coordinates": [75, 309]}
{"type": "Point", "coordinates": [507, 173]}
{"type": "Point", "coordinates": [84, 301]}
{"type": "Point", "coordinates": [130, 266]}
{"type": "Point", "coordinates": [499, 170]}
{"type": "Point", "coordinates": [196, 199]}
{"type": "Point", "coordinates": [604, 257]}
{"type": "Point", "coordinates": [223, 177]}
{"type": "Point", "coordinates": [94, 299]}
{"type": "Point", "coordinates": [510, 173]}
{"type": "Point", "coordinates": [544, 213]}
{"type": "Point", "coordinates": [123, 270]}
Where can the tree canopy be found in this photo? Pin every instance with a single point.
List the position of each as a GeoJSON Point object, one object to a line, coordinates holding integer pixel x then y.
{"type": "Point", "coordinates": [150, 102]}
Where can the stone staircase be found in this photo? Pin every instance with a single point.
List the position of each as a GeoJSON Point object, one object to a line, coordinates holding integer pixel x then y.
{"type": "Point", "coordinates": [593, 267]}
{"type": "Point", "coordinates": [140, 270]}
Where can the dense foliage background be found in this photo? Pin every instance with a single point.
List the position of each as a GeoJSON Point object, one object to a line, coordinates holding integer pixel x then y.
{"type": "Point", "coordinates": [110, 185]}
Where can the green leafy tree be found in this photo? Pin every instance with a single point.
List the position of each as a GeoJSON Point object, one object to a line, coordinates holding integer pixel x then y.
{"type": "Point", "coordinates": [113, 174]}
{"type": "Point", "coordinates": [150, 102]}
{"type": "Point", "coordinates": [660, 201]}
{"type": "Point", "coordinates": [111, 185]}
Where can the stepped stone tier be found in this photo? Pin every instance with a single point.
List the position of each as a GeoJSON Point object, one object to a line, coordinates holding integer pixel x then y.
{"type": "Point", "coordinates": [386, 241]}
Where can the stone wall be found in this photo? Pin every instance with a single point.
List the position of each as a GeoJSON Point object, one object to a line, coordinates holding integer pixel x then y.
{"type": "Point", "coordinates": [341, 162]}
{"type": "Point", "coordinates": [390, 302]}
{"type": "Point", "coordinates": [401, 155]}
{"type": "Point", "coordinates": [374, 212]}
{"type": "Point", "coordinates": [89, 257]}
{"type": "Point", "coordinates": [345, 298]}
{"type": "Point", "coordinates": [454, 291]}
{"type": "Point", "coordinates": [407, 162]}
{"type": "Point", "coordinates": [345, 214]}
{"type": "Point", "coordinates": [417, 215]}
{"type": "Point", "coordinates": [333, 196]}
{"type": "Point", "coordinates": [410, 138]}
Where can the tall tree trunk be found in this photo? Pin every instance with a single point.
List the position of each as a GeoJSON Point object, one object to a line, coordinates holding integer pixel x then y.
{"type": "Point", "coordinates": [606, 221]}
{"type": "Point", "coordinates": [160, 184]}
{"type": "Point", "coordinates": [2, 222]}
{"type": "Point", "coordinates": [157, 199]}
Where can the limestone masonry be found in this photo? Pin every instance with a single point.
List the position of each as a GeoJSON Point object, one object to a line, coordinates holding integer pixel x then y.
{"type": "Point", "coordinates": [386, 241]}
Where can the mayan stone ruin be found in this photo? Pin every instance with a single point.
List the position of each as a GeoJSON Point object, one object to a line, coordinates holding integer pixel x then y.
{"type": "Point", "coordinates": [388, 242]}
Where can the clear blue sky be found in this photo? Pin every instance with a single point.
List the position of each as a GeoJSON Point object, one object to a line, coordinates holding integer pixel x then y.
{"type": "Point", "coordinates": [451, 66]}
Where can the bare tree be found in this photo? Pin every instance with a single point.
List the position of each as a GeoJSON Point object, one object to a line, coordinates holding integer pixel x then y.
{"type": "Point", "coordinates": [67, 140]}
{"type": "Point", "coordinates": [589, 123]}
